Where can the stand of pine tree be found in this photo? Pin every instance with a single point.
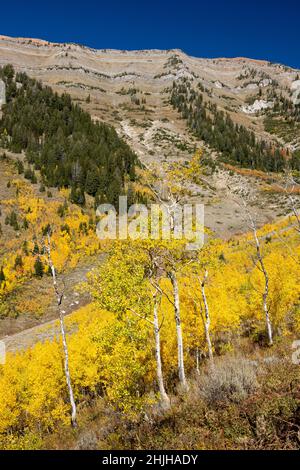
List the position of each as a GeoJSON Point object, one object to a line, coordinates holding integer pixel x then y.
{"type": "Point", "coordinates": [62, 141]}
{"type": "Point", "coordinates": [234, 142]}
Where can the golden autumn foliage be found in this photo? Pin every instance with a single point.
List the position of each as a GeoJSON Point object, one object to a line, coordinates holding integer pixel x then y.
{"type": "Point", "coordinates": [111, 348]}
{"type": "Point", "coordinates": [74, 236]}
{"type": "Point", "coordinates": [105, 355]}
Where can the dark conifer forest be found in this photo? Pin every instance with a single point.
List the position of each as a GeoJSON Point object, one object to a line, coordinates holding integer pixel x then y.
{"type": "Point", "coordinates": [235, 143]}
{"type": "Point", "coordinates": [62, 141]}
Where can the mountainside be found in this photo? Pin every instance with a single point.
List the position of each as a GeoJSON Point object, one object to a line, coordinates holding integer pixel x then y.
{"type": "Point", "coordinates": [143, 343]}
{"type": "Point", "coordinates": [240, 86]}
{"type": "Point", "coordinates": [62, 142]}
{"type": "Point", "coordinates": [132, 91]}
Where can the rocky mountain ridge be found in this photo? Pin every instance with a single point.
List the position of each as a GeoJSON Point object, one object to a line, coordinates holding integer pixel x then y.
{"type": "Point", "coordinates": [131, 91]}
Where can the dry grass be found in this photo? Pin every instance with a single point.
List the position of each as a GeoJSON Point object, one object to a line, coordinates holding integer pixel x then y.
{"type": "Point", "coordinates": [251, 173]}
{"type": "Point", "coordinates": [232, 380]}
{"type": "Point", "coordinates": [244, 403]}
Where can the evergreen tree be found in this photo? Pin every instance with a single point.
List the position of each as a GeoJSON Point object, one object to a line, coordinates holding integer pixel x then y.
{"type": "Point", "coordinates": [18, 262]}
{"type": "Point", "coordinates": [36, 249]}
{"type": "Point", "coordinates": [62, 141]}
{"type": "Point", "coordinates": [2, 275]}
{"type": "Point", "coordinates": [234, 142]}
{"type": "Point", "coordinates": [92, 182]}
{"type": "Point", "coordinates": [38, 268]}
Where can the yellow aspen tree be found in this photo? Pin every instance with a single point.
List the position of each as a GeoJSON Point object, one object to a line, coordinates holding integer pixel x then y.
{"type": "Point", "coordinates": [59, 298]}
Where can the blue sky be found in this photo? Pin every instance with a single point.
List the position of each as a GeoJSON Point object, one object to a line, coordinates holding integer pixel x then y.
{"type": "Point", "coordinates": [258, 29]}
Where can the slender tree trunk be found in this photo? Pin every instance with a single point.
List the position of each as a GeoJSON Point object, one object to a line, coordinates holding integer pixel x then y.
{"type": "Point", "coordinates": [265, 274]}
{"type": "Point", "coordinates": [197, 361]}
{"type": "Point", "coordinates": [207, 319]}
{"type": "Point", "coordinates": [67, 370]}
{"type": "Point", "coordinates": [181, 371]}
{"type": "Point", "coordinates": [293, 203]}
{"type": "Point", "coordinates": [296, 215]}
{"type": "Point", "coordinates": [163, 395]}
{"type": "Point", "coordinates": [59, 296]}
{"type": "Point", "coordinates": [266, 290]}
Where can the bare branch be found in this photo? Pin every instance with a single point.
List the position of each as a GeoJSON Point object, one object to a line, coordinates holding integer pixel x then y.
{"type": "Point", "coordinates": [141, 316]}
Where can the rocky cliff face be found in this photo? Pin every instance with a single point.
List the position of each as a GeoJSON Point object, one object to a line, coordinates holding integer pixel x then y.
{"type": "Point", "coordinates": [116, 78]}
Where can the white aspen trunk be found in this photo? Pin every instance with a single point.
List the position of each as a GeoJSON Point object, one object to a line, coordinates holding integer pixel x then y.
{"type": "Point", "coordinates": [59, 297]}
{"type": "Point", "coordinates": [163, 395]}
{"type": "Point", "coordinates": [181, 371]}
{"type": "Point", "coordinates": [207, 319]}
{"type": "Point", "coordinates": [197, 361]}
{"type": "Point", "coordinates": [266, 278]}
{"type": "Point", "coordinates": [293, 204]}
{"type": "Point", "coordinates": [296, 215]}
{"type": "Point", "coordinates": [67, 371]}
